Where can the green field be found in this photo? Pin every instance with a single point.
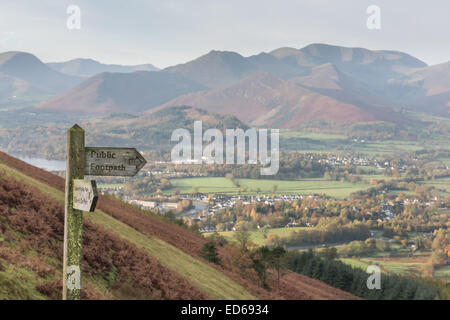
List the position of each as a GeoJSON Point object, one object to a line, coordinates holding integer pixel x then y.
{"type": "Point", "coordinates": [441, 184]}
{"type": "Point", "coordinates": [400, 267]}
{"type": "Point", "coordinates": [257, 237]}
{"type": "Point", "coordinates": [306, 142]}
{"type": "Point", "coordinates": [214, 185]}
{"type": "Point", "coordinates": [110, 186]}
{"type": "Point", "coordinates": [443, 273]}
{"type": "Point", "coordinates": [388, 147]}
{"type": "Point", "coordinates": [286, 133]}
{"type": "Point", "coordinates": [355, 263]}
{"type": "Point", "coordinates": [403, 266]}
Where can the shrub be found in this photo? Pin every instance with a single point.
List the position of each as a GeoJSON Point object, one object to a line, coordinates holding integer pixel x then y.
{"type": "Point", "coordinates": [210, 252]}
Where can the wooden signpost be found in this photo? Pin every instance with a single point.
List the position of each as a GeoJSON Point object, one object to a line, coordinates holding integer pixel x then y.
{"type": "Point", "coordinates": [81, 195]}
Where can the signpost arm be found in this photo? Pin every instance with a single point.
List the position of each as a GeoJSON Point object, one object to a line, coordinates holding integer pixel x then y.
{"type": "Point", "coordinates": [73, 219]}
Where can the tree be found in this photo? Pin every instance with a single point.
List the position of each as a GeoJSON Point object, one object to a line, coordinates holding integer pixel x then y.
{"type": "Point", "coordinates": [404, 242]}
{"type": "Point", "coordinates": [261, 258]}
{"type": "Point", "coordinates": [330, 253]}
{"type": "Point", "coordinates": [265, 231]}
{"type": "Point", "coordinates": [210, 252]}
{"type": "Point", "coordinates": [273, 240]}
{"type": "Point", "coordinates": [218, 239]}
{"type": "Point", "coordinates": [239, 261]}
{"type": "Point", "coordinates": [243, 239]}
{"type": "Point", "coordinates": [277, 261]}
{"type": "Point", "coordinates": [274, 188]}
{"type": "Point", "coordinates": [370, 243]}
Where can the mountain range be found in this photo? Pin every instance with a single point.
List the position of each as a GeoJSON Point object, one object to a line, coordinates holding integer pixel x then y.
{"type": "Point", "coordinates": [282, 88]}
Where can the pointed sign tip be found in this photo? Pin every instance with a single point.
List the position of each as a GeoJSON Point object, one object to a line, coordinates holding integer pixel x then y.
{"type": "Point", "coordinates": [76, 127]}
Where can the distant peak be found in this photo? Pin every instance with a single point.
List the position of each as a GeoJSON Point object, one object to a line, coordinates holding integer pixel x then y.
{"type": "Point", "coordinates": [84, 60]}
{"type": "Point", "coordinates": [222, 53]}
{"type": "Point", "coordinates": [318, 45]}
{"type": "Point", "coordinates": [14, 55]}
{"type": "Point", "coordinates": [283, 50]}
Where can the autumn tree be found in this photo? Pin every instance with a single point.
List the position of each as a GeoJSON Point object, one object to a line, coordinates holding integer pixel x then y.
{"type": "Point", "coordinates": [243, 239]}
{"type": "Point", "coordinates": [277, 262]}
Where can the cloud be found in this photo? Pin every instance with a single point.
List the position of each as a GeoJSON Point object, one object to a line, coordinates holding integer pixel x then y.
{"type": "Point", "coordinates": [6, 36]}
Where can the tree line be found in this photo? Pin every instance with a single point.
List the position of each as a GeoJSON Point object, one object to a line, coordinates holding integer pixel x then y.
{"type": "Point", "coordinates": [354, 280]}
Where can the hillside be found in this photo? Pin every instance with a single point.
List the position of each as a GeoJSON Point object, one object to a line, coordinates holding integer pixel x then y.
{"type": "Point", "coordinates": [89, 67]}
{"type": "Point", "coordinates": [127, 254]}
{"type": "Point", "coordinates": [36, 222]}
{"type": "Point", "coordinates": [149, 132]}
{"type": "Point", "coordinates": [433, 83]}
{"type": "Point", "coordinates": [263, 99]}
{"type": "Point", "coordinates": [385, 74]}
{"type": "Point", "coordinates": [24, 77]}
{"type": "Point", "coordinates": [108, 93]}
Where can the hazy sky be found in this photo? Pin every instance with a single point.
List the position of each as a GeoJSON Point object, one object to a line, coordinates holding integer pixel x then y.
{"type": "Point", "coordinates": [169, 32]}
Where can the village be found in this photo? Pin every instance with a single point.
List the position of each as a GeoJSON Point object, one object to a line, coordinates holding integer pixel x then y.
{"type": "Point", "coordinates": [165, 168]}
{"type": "Point", "coordinates": [204, 207]}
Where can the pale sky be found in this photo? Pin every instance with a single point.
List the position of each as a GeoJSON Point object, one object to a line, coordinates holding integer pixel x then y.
{"type": "Point", "coordinates": [169, 32]}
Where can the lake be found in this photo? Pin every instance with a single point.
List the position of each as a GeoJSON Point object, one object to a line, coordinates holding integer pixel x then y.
{"type": "Point", "coordinates": [46, 164]}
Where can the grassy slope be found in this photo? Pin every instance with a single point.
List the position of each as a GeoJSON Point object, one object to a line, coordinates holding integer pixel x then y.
{"type": "Point", "coordinates": [201, 275]}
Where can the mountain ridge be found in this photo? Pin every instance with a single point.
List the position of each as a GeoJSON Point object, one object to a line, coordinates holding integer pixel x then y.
{"type": "Point", "coordinates": [367, 85]}
{"type": "Point", "coordinates": [263, 99]}
{"type": "Point", "coordinates": [112, 92]}
{"type": "Point", "coordinates": [86, 67]}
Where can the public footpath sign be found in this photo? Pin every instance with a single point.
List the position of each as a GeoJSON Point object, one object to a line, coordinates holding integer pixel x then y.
{"type": "Point", "coordinates": [81, 195]}
{"type": "Point", "coordinates": [113, 161]}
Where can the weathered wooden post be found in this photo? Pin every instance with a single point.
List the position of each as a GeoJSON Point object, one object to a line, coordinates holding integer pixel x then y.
{"type": "Point", "coordinates": [81, 195]}
{"type": "Point", "coordinates": [73, 218]}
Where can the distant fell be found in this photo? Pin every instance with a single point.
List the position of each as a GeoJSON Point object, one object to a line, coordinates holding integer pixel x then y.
{"type": "Point", "coordinates": [24, 77]}
{"type": "Point", "coordinates": [108, 93]}
{"type": "Point", "coordinates": [89, 67]}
